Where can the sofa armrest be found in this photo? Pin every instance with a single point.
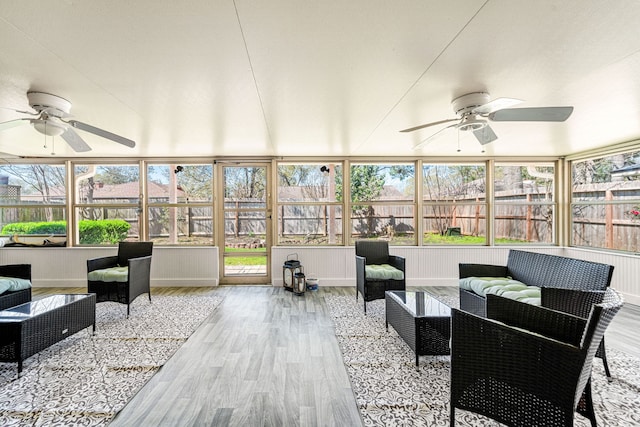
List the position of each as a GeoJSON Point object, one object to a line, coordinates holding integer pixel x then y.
{"type": "Point", "coordinates": [397, 262]}
{"type": "Point", "coordinates": [21, 271]}
{"type": "Point", "coordinates": [360, 269]}
{"type": "Point", "coordinates": [482, 270]}
{"type": "Point", "coordinates": [139, 275]}
{"type": "Point", "coordinates": [102, 262]}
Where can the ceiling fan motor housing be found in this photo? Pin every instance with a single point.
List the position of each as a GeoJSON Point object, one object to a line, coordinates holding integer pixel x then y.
{"type": "Point", "coordinates": [465, 104]}
{"type": "Point", "coordinates": [53, 105]}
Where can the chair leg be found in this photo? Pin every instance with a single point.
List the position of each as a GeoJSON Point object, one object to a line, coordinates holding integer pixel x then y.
{"type": "Point", "coordinates": [365, 306]}
{"type": "Point", "coordinates": [452, 415]}
{"type": "Point", "coordinates": [603, 355]}
{"type": "Point", "coordinates": [585, 405]}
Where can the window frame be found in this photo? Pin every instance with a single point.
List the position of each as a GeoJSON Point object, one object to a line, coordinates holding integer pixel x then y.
{"type": "Point", "coordinates": [179, 167]}
{"type": "Point", "coordinates": [338, 204]}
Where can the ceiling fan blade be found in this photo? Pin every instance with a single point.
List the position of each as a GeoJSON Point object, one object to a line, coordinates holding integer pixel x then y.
{"type": "Point", "coordinates": [429, 124]}
{"type": "Point", "coordinates": [485, 135]}
{"type": "Point", "coordinates": [495, 105]}
{"type": "Point", "coordinates": [535, 114]}
{"type": "Point", "coordinates": [13, 123]}
{"type": "Point", "coordinates": [31, 113]}
{"type": "Point", "coordinates": [431, 138]}
{"type": "Point", "coordinates": [74, 141]}
{"type": "Point", "coordinates": [103, 133]}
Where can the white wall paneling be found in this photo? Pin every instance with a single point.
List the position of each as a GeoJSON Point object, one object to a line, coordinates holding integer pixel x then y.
{"type": "Point", "coordinates": [170, 266]}
{"type": "Point", "coordinates": [333, 266]}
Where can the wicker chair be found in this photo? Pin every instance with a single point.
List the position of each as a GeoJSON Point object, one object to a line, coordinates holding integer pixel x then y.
{"type": "Point", "coordinates": [136, 256]}
{"type": "Point", "coordinates": [11, 299]}
{"type": "Point", "coordinates": [579, 304]}
{"type": "Point", "coordinates": [526, 365]}
{"type": "Point", "coordinates": [376, 252]}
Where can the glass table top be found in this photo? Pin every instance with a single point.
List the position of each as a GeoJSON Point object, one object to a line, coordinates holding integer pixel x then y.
{"type": "Point", "coordinates": [37, 307]}
{"type": "Point", "coordinates": [421, 304]}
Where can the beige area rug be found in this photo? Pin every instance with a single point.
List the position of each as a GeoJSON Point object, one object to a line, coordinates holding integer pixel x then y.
{"type": "Point", "coordinates": [391, 392]}
{"type": "Point", "coordinates": [86, 379]}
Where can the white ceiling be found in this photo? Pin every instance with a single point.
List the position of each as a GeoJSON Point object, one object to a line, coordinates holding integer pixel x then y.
{"type": "Point", "coordinates": [319, 78]}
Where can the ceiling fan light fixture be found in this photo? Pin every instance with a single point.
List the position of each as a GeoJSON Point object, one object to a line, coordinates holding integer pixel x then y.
{"type": "Point", "coordinates": [48, 127]}
{"type": "Point", "coordinates": [471, 124]}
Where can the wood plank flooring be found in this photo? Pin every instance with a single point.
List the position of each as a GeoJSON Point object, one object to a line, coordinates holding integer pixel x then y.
{"type": "Point", "coordinates": [266, 357]}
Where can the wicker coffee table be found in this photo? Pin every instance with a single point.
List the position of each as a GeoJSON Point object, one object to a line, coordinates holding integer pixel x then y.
{"type": "Point", "coordinates": [422, 321]}
{"type": "Point", "coordinates": [29, 328]}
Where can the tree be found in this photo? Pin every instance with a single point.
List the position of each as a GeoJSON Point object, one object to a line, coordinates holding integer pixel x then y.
{"type": "Point", "coordinates": [46, 181]}
{"type": "Point", "coordinates": [367, 184]}
{"type": "Point", "coordinates": [120, 174]}
{"type": "Point", "coordinates": [244, 182]}
{"type": "Point", "coordinates": [446, 184]}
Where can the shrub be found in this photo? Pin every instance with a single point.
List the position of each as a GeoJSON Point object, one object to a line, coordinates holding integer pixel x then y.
{"type": "Point", "coordinates": [103, 231]}
{"type": "Point", "coordinates": [53, 227]}
{"type": "Point", "coordinates": [91, 231]}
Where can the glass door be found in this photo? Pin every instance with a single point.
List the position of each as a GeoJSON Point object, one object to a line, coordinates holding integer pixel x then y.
{"type": "Point", "coordinates": [246, 236]}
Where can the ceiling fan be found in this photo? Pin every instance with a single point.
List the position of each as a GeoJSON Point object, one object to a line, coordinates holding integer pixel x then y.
{"type": "Point", "coordinates": [51, 118]}
{"type": "Point", "coordinates": [476, 109]}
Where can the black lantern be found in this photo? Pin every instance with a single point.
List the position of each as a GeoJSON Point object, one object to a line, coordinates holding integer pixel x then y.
{"type": "Point", "coordinates": [299, 282]}
{"type": "Point", "coordinates": [290, 268]}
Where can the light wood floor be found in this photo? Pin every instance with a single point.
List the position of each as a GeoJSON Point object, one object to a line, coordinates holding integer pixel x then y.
{"type": "Point", "coordinates": [266, 357]}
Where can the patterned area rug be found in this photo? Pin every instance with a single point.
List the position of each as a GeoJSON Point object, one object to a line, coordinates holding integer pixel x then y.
{"type": "Point", "coordinates": [390, 391]}
{"type": "Point", "coordinates": [86, 379]}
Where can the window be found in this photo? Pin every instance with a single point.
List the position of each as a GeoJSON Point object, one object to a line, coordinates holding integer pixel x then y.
{"type": "Point", "coordinates": [180, 203]}
{"type": "Point", "coordinates": [32, 205]}
{"type": "Point", "coordinates": [309, 209]}
{"type": "Point", "coordinates": [524, 205]}
{"type": "Point", "coordinates": [107, 203]}
{"type": "Point", "coordinates": [383, 202]}
{"type": "Point", "coordinates": [605, 203]}
{"type": "Point", "coordinates": [454, 204]}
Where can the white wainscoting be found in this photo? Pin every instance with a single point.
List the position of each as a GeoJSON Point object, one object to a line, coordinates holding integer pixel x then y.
{"type": "Point", "coordinates": [332, 266]}
{"type": "Point", "coordinates": [438, 266]}
{"type": "Point", "coordinates": [170, 266]}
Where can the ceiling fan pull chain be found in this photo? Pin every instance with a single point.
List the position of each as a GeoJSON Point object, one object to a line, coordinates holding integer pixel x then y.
{"type": "Point", "coordinates": [45, 135]}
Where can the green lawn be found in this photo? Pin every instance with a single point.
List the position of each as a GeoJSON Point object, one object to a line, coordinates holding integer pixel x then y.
{"type": "Point", "coordinates": [259, 259]}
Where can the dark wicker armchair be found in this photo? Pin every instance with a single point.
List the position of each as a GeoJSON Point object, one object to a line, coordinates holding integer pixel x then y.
{"type": "Point", "coordinates": [11, 299]}
{"type": "Point", "coordinates": [376, 253]}
{"type": "Point", "coordinates": [526, 365]}
{"type": "Point", "coordinates": [136, 256]}
{"type": "Point", "coordinates": [579, 304]}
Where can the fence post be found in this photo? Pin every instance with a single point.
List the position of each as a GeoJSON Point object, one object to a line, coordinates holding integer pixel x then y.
{"type": "Point", "coordinates": [237, 219]}
{"type": "Point", "coordinates": [608, 221]}
{"type": "Point", "coordinates": [529, 219]}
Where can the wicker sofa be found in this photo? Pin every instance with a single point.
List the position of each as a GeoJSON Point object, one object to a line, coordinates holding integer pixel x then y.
{"type": "Point", "coordinates": [554, 276]}
{"type": "Point", "coordinates": [536, 270]}
{"type": "Point", "coordinates": [12, 298]}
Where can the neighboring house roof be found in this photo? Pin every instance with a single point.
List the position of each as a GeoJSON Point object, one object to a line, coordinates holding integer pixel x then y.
{"type": "Point", "coordinates": [627, 170]}
{"type": "Point", "coordinates": [132, 190]}
{"type": "Point", "coordinates": [129, 190]}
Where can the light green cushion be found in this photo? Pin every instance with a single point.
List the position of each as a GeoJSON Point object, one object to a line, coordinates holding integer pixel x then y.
{"type": "Point", "coordinates": [12, 284]}
{"type": "Point", "coordinates": [383, 272]}
{"type": "Point", "coordinates": [479, 285]}
{"type": "Point", "coordinates": [113, 274]}
{"type": "Point", "coordinates": [502, 286]}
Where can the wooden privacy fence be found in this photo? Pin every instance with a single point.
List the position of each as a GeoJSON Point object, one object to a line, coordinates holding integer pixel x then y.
{"type": "Point", "coordinates": [600, 217]}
